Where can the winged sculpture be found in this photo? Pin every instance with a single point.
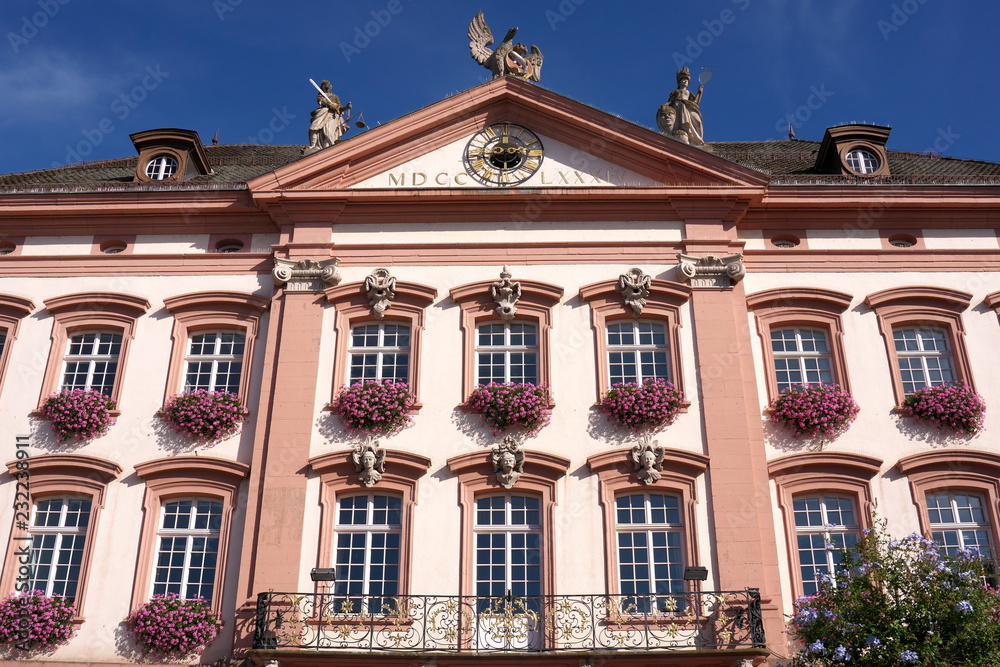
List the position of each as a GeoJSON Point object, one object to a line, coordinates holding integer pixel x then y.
{"type": "Point", "coordinates": [508, 58]}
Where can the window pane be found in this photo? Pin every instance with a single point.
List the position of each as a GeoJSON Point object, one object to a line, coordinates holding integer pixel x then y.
{"type": "Point", "coordinates": [215, 361]}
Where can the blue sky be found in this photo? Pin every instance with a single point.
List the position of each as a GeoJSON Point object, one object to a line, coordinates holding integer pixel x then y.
{"type": "Point", "coordinates": [78, 76]}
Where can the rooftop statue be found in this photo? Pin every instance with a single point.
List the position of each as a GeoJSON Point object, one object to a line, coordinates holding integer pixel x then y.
{"type": "Point", "coordinates": [508, 58]}
{"type": "Point", "coordinates": [327, 120]}
{"type": "Point", "coordinates": [680, 117]}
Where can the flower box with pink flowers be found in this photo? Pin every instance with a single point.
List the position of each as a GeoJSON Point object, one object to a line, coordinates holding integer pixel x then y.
{"type": "Point", "coordinates": [814, 411]}
{"type": "Point", "coordinates": [954, 405]}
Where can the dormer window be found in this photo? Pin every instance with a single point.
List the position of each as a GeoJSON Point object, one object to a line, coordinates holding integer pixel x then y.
{"type": "Point", "coordinates": [161, 167]}
{"type": "Point", "coordinates": [862, 161]}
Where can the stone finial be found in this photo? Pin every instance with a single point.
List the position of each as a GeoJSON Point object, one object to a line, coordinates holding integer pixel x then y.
{"type": "Point", "coordinates": [306, 275]}
{"type": "Point", "coordinates": [369, 461]}
{"type": "Point", "coordinates": [711, 271]}
{"type": "Point", "coordinates": [634, 288]}
{"type": "Point", "coordinates": [647, 458]}
{"type": "Point", "coordinates": [506, 293]}
{"type": "Point", "coordinates": [508, 461]}
{"type": "Point", "coordinates": [380, 287]}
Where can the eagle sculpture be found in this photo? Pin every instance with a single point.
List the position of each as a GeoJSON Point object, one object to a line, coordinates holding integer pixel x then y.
{"type": "Point", "coordinates": [508, 58]}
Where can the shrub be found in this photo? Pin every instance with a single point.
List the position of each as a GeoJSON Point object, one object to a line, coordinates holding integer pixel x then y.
{"type": "Point", "coordinates": [954, 405]}
{"type": "Point", "coordinates": [898, 602]}
{"type": "Point", "coordinates": [34, 623]}
{"type": "Point", "coordinates": [652, 405]}
{"type": "Point", "coordinates": [78, 414]}
{"type": "Point", "coordinates": [376, 408]}
{"type": "Point", "coordinates": [206, 416]}
{"type": "Point", "coordinates": [808, 411]}
{"type": "Point", "coordinates": [170, 627]}
{"type": "Point", "coordinates": [503, 405]}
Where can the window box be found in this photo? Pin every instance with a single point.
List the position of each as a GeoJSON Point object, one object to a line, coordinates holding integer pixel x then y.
{"type": "Point", "coordinates": [810, 411]}
{"type": "Point", "coordinates": [205, 416]}
{"type": "Point", "coordinates": [376, 408]}
{"type": "Point", "coordinates": [511, 404]}
{"type": "Point", "coordinates": [954, 405]}
{"type": "Point", "coordinates": [652, 405]}
{"type": "Point", "coordinates": [34, 623]}
{"type": "Point", "coordinates": [78, 414]}
{"type": "Point", "coordinates": [171, 627]}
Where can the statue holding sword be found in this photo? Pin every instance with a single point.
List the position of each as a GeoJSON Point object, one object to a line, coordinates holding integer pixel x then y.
{"type": "Point", "coordinates": [327, 120]}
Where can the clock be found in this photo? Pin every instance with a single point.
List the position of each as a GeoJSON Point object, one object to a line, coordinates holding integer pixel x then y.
{"type": "Point", "coordinates": [503, 154]}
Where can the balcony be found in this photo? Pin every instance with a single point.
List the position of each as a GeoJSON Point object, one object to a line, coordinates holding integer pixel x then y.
{"type": "Point", "coordinates": [700, 621]}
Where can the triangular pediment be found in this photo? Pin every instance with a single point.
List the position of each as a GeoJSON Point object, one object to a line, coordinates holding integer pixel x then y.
{"type": "Point", "coordinates": [583, 147]}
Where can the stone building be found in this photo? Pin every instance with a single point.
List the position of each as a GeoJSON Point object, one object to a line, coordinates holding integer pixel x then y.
{"type": "Point", "coordinates": [734, 270]}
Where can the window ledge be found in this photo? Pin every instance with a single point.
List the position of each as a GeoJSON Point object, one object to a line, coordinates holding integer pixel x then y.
{"type": "Point", "coordinates": [332, 408]}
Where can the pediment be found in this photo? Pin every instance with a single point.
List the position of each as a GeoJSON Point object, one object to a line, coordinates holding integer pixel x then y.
{"type": "Point", "coordinates": [583, 148]}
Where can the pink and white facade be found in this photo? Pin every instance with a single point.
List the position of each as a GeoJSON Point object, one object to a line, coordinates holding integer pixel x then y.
{"type": "Point", "coordinates": [834, 270]}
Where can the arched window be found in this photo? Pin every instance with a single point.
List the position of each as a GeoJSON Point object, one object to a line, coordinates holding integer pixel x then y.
{"type": "Point", "coordinates": [824, 526]}
{"type": "Point", "coordinates": [380, 351]}
{"type": "Point", "coordinates": [367, 553]}
{"type": "Point", "coordinates": [507, 352]}
{"type": "Point", "coordinates": [650, 543]}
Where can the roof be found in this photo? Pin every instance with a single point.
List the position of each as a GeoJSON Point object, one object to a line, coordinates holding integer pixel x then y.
{"type": "Point", "coordinates": [785, 162]}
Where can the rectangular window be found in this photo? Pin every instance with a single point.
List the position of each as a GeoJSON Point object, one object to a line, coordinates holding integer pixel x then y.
{"type": "Point", "coordinates": [801, 357]}
{"type": "Point", "coordinates": [822, 521]}
{"type": "Point", "coordinates": [380, 352]}
{"type": "Point", "coordinates": [650, 557]}
{"type": "Point", "coordinates": [188, 548]}
{"type": "Point", "coordinates": [509, 548]}
{"type": "Point", "coordinates": [924, 357]}
{"type": "Point", "coordinates": [507, 352]}
{"type": "Point", "coordinates": [367, 554]}
{"type": "Point", "coordinates": [637, 351]}
{"type": "Point", "coordinates": [91, 361]}
{"type": "Point", "coordinates": [58, 534]}
{"type": "Point", "coordinates": [959, 521]}
{"type": "Point", "coordinates": [215, 361]}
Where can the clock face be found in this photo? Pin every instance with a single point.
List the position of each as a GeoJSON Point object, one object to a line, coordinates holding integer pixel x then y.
{"type": "Point", "coordinates": [503, 154]}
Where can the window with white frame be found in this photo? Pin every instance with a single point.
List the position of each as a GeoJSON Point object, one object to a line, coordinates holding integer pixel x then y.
{"type": "Point", "coordinates": [637, 351]}
{"type": "Point", "coordinates": [91, 361]}
{"type": "Point", "coordinates": [959, 521]}
{"type": "Point", "coordinates": [380, 352]}
{"type": "Point", "coordinates": [187, 548]}
{"type": "Point", "coordinates": [214, 361]}
{"type": "Point", "coordinates": [924, 357]}
{"type": "Point", "coordinates": [507, 352]}
{"type": "Point", "coordinates": [824, 526]}
{"type": "Point", "coordinates": [367, 554]}
{"type": "Point", "coordinates": [801, 357]}
{"type": "Point", "coordinates": [650, 554]}
{"type": "Point", "coordinates": [3, 341]}
{"type": "Point", "coordinates": [508, 549]}
{"type": "Point", "coordinates": [58, 534]}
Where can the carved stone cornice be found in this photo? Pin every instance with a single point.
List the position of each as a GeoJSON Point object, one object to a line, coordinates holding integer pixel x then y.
{"type": "Point", "coordinates": [307, 275]}
{"type": "Point", "coordinates": [711, 271]}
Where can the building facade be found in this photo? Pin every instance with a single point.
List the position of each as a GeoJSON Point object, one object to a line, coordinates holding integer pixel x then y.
{"type": "Point", "coordinates": [601, 253]}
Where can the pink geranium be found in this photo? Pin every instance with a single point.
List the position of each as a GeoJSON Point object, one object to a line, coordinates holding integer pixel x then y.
{"type": "Point", "coordinates": [653, 404]}
{"type": "Point", "coordinates": [808, 411]}
{"type": "Point", "coordinates": [376, 408]}
{"type": "Point", "coordinates": [954, 405]}
{"type": "Point", "coordinates": [34, 623]}
{"type": "Point", "coordinates": [503, 405]}
{"type": "Point", "coordinates": [205, 416]}
{"type": "Point", "coordinates": [78, 414]}
{"type": "Point", "coordinates": [170, 627]}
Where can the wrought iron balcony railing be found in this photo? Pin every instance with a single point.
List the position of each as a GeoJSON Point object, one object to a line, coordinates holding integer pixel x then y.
{"type": "Point", "coordinates": [695, 620]}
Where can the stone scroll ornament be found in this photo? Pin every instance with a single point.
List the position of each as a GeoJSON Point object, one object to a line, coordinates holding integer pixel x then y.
{"type": "Point", "coordinates": [508, 59]}
{"type": "Point", "coordinates": [508, 462]}
{"type": "Point", "coordinates": [711, 271]}
{"type": "Point", "coordinates": [305, 275]}
{"type": "Point", "coordinates": [506, 293]}
{"type": "Point", "coordinates": [369, 461]}
{"type": "Point", "coordinates": [380, 287]}
{"type": "Point", "coordinates": [647, 458]}
{"type": "Point", "coordinates": [634, 288]}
